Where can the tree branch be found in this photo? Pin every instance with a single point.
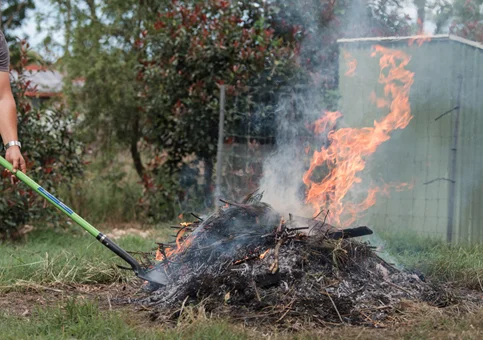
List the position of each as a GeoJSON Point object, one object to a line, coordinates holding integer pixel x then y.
{"type": "Point", "coordinates": [92, 8]}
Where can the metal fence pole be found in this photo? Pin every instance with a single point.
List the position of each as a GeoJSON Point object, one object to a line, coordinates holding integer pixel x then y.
{"type": "Point", "coordinates": [219, 155]}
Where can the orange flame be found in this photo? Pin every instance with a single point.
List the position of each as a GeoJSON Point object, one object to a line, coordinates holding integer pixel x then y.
{"type": "Point", "coordinates": [345, 156]}
{"type": "Point", "coordinates": [181, 244]}
{"type": "Point", "coordinates": [179, 237]}
{"type": "Point", "coordinates": [379, 102]}
{"type": "Point", "coordinates": [351, 63]}
{"type": "Point", "coordinates": [159, 255]}
{"type": "Point", "coordinates": [327, 122]}
{"type": "Point", "coordinates": [422, 37]}
{"type": "Point", "coordinates": [264, 254]}
{"type": "Point", "coordinates": [237, 262]}
{"type": "Point", "coordinates": [419, 40]}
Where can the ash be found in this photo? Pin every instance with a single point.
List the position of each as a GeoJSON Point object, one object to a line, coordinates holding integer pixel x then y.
{"type": "Point", "coordinates": [245, 261]}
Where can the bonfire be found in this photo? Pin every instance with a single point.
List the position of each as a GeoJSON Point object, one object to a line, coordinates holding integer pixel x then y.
{"type": "Point", "coordinates": [248, 261]}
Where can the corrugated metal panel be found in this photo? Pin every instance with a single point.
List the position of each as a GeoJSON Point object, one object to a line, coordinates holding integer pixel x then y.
{"type": "Point", "coordinates": [460, 225]}
{"type": "Point", "coordinates": [478, 216]}
{"type": "Point", "coordinates": [422, 151]}
{"type": "Point", "coordinates": [444, 80]}
{"type": "Point", "coordinates": [470, 164]}
{"type": "Point", "coordinates": [474, 141]}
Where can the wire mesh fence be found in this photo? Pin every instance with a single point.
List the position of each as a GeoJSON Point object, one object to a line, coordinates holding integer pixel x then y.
{"type": "Point", "coordinates": [264, 122]}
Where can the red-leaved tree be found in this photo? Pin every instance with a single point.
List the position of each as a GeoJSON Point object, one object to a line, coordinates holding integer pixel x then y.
{"type": "Point", "coordinates": [191, 49]}
{"type": "Point", "coordinates": [467, 21]}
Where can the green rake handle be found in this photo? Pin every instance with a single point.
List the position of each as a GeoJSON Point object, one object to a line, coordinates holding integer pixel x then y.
{"type": "Point", "coordinates": [72, 215]}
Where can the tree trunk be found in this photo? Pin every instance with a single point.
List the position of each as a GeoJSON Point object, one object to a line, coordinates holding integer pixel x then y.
{"type": "Point", "coordinates": [136, 156]}
{"type": "Point", "coordinates": [421, 5]}
{"type": "Point", "coordinates": [68, 27]}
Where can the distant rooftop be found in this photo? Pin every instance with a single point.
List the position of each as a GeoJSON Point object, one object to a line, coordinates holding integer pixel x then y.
{"type": "Point", "coordinates": [49, 82]}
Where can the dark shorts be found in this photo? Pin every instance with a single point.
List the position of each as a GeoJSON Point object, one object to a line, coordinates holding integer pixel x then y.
{"type": "Point", "coordinates": [4, 54]}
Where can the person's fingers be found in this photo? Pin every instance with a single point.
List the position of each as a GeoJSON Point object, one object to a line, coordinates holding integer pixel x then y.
{"type": "Point", "coordinates": [15, 164]}
{"type": "Point", "coordinates": [23, 165]}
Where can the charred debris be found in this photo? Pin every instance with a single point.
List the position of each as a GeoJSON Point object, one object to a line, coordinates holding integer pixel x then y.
{"type": "Point", "coordinates": [248, 262]}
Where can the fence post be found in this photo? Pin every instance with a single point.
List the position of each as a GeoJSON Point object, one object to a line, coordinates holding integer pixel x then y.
{"type": "Point", "coordinates": [219, 154]}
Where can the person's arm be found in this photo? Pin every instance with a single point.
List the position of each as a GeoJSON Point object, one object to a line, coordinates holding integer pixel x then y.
{"type": "Point", "coordinates": [8, 123]}
{"type": "Point", "coordinates": [8, 111]}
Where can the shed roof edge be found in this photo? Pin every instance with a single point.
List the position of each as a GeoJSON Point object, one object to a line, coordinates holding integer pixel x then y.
{"type": "Point", "coordinates": [395, 39]}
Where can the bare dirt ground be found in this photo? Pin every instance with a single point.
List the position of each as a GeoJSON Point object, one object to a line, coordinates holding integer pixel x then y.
{"type": "Point", "coordinates": [23, 302]}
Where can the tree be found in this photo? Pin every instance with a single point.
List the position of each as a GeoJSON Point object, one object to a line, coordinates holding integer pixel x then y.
{"type": "Point", "coordinates": [151, 69]}
{"type": "Point", "coordinates": [463, 18]}
{"type": "Point", "coordinates": [441, 12]}
{"type": "Point", "coordinates": [191, 50]}
{"type": "Point", "coordinates": [101, 48]}
{"type": "Point", "coordinates": [421, 12]}
{"type": "Point", "coordinates": [13, 13]}
{"type": "Point", "coordinates": [467, 21]}
{"type": "Point", "coordinates": [317, 24]}
{"type": "Point", "coordinates": [104, 44]}
{"type": "Point", "coordinates": [102, 51]}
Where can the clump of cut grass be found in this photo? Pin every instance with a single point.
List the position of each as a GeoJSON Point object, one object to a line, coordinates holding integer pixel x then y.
{"type": "Point", "coordinates": [64, 257]}
{"type": "Point", "coordinates": [62, 268]}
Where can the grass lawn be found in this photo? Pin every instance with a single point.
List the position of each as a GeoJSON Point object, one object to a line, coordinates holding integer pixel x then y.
{"type": "Point", "coordinates": [461, 265]}
{"type": "Point", "coordinates": [43, 281]}
{"type": "Point", "coordinates": [85, 320]}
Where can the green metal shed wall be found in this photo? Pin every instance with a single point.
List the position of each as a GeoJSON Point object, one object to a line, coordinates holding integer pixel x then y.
{"type": "Point", "coordinates": [421, 153]}
{"type": "Point", "coordinates": [469, 173]}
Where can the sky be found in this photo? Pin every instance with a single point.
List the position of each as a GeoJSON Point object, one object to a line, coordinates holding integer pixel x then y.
{"type": "Point", "coordinates": [29, 28]}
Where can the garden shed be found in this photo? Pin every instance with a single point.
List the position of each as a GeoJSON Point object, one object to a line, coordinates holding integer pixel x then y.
{"type": "Point", "coordinates": [441, 150]}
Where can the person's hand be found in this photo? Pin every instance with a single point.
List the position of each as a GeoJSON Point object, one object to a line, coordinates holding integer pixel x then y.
{"type": "Point", "coordinates": [15, 157]}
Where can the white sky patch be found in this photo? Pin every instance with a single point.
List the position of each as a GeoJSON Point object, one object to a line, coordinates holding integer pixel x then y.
{"type": "Point", "coordinates": [29, 29]}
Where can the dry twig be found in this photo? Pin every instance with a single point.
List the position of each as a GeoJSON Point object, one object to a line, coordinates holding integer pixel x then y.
{"type": "Point", "coordinates": [335, 307]}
